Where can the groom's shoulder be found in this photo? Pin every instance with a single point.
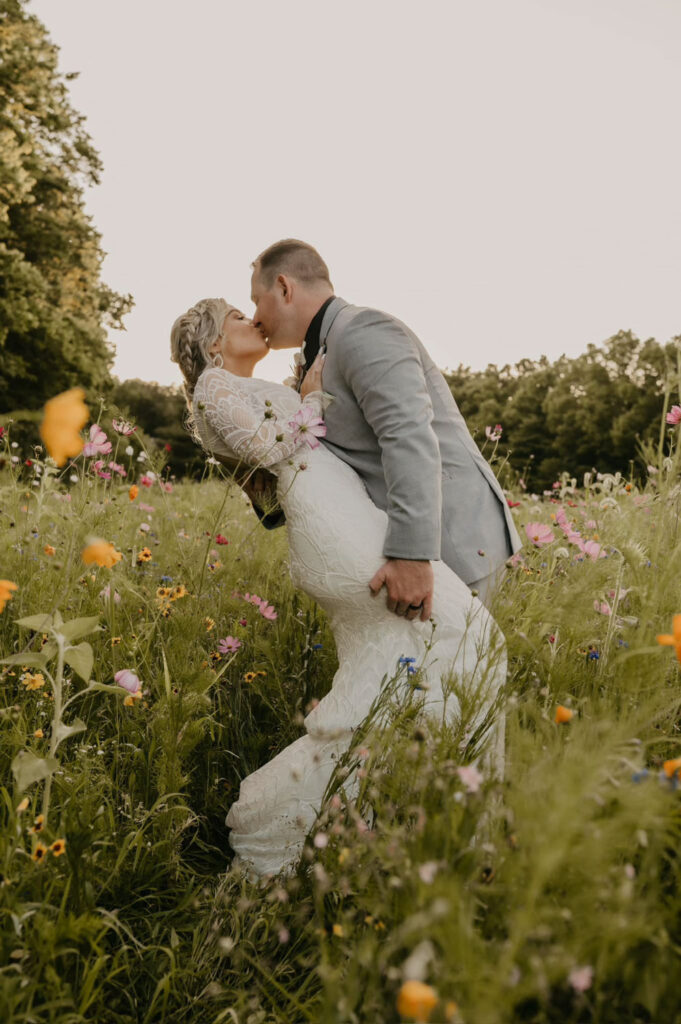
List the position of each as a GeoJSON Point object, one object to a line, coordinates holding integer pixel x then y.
{"type": "Point", "coordinates": [360, 319]}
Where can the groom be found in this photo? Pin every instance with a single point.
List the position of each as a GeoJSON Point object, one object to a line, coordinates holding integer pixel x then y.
{"type": "Point", "coordinates": [394, 420]}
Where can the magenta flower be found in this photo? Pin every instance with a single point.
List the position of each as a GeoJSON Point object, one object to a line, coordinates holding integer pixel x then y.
{"type": "Point", "coordinates": [229, 645]}
{"type": "Point", "coordinates": [123, 427]}
{"type": "Point", "coordinates": [99, 470]}
{"type": "Point", "coordinates": [307, 427]}
{"type": "Point", "coordinates": [494, 433]}
{"type": "Point", "coordinates": [674, 415]}
{"type": "Point", "coordinates": [98, 443]}
{"type": "Point", "coordinates": [539, 533]}
{"type": "Point", "coordinates": [128, 680]}
{"type": "Point", "coordinates": [219, 539]}
{"type": "Point", "coordinates": [147, 481]}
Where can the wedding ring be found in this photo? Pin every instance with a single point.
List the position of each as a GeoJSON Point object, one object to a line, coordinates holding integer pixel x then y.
{"type": "Point", "coordinates": [416, 607]}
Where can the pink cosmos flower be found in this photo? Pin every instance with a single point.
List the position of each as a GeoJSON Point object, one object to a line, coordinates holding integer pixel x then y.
{"type": "Point", "coordinates": [470, 776]}
{"type": "Point", "coordinates": [494, 433]}
{"type": "Point", "coordinates": [539, 533]}
{"type": "Point", "coordinates": [267, 611]}
{"type": "Point", "coordinates": [166, 487]}
{"type": "Point", "coordinates": [97, 467]}
{"type": "Point", "coordinates": [146, 481]}
{"type": "Point", "coordinates": [674, 415]}
{"type": "Point", "coordinates": [603, 607]}
{"type": "Point", "coordinates": [128, 680]}
{"type": "Point", "coordinates": [229, 645]}
{"type": "Point", "coordinates": [117, 468]}
{"type": "Point", "coordinates": [581, 978]}
{"type": "Point", "coordinates": [145, 508]}
{"type": "Point", "coordinates": [123, 427]}
{"type": "Point", "coordinates": [593, 550]}
{"type": "Point", "coordinates": [307, 427]}
{"type": "Point", "coordinates": [98, 443]}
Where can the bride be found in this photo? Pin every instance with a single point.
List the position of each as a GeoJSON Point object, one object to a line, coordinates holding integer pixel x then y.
{"type": "Point", "coordinates": [335, 536]}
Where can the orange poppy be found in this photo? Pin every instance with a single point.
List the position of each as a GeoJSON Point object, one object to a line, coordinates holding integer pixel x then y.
{"type": "Point", "coordinates": [672, 639]}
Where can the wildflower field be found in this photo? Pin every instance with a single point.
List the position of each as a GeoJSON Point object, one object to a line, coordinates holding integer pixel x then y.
{"type": "Point", "coordinates": [154, 653]}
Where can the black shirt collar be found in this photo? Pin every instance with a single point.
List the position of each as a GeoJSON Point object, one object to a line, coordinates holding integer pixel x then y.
{"type": "Point", "coordinates": [315, 329]}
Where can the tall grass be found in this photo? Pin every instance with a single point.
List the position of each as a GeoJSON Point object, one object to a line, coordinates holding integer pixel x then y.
{"type": "Point", "coordinates": [552, 895]}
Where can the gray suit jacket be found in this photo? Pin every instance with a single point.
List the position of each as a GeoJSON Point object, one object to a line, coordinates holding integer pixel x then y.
{"type": "Point", "coordinates": [394, 420]}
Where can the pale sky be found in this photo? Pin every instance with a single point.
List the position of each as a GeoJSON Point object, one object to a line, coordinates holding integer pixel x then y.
{"type": "Point", "coordinates": [503, 175]}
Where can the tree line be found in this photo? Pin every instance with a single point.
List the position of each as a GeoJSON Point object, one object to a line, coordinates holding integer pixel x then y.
{"type": "Point", "coordinates": [571, 414]}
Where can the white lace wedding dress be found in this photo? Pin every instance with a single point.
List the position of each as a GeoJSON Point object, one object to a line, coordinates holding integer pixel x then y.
{"type": "Point", "coordinates": [335, 536]}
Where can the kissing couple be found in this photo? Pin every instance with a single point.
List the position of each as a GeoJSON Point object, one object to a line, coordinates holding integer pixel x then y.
{"type": "Point", "coordinates": [396, 523]}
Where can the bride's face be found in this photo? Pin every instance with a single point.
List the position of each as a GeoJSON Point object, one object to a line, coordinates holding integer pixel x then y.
{"type": "Point", "coordinates": [240, 338]}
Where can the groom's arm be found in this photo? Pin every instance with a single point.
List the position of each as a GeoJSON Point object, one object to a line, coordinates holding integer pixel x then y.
{"type": "Point", "coordinates": [381, 365]}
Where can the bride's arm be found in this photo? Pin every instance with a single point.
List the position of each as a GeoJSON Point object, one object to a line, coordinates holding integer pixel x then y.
{"type": "Point", "coordinates": [247, 423]}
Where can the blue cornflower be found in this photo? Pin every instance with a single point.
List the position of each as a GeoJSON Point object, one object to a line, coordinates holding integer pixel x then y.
{"type": "Point", "coordinates": [166, 579]}
{"type": "Point", "coordinates": [407, 661]}
{"type": "Point", "coordinates": [640, 775]}
{"type": "Point", "coordinates": [317, 647]}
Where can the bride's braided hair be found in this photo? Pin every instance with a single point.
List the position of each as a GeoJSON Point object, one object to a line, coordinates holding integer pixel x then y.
{"type": "Point", "coordinates": [191, 338]}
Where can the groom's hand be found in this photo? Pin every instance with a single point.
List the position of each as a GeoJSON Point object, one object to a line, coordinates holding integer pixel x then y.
{"type": "Point", "coordinates": [408, 582]}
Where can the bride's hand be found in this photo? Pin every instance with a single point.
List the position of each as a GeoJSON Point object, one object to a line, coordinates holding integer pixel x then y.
{"type": "Point", "coordinates": [313, 377]}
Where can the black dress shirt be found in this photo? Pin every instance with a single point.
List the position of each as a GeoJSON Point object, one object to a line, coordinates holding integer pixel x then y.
{"type": "Point", "coordinates": [312, 338]}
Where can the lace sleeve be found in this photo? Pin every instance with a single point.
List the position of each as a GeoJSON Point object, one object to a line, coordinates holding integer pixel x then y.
{"type": "Point", "coordinates": [246, 422]}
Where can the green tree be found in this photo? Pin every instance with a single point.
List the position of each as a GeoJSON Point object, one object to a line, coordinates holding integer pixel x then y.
{"type": "Point", "coordinates": [53, 306]}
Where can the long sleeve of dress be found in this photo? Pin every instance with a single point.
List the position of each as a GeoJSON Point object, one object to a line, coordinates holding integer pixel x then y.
{"type": "Point", "coordinates": [240, 420]}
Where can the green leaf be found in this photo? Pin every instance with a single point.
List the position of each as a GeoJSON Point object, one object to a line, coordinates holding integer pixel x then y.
{"type": "Point", "coordinates": [80, 659]}
{"type": "Point", "coordinates": [63, 731]}
{"type": "Point", "coordinates": [107, 688]}
{"type": "Point", "coordinates": [77, 628]}
{"type": "Point", "coordinates": [29, 660]}
{"type": "Point", "coordinates": [36, 622]}
{"type": "Point", "coordinates": [27, 768]}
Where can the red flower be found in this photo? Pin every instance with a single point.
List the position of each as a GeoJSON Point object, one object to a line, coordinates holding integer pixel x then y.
{"type": "Point", "coordinates": [219, 539]}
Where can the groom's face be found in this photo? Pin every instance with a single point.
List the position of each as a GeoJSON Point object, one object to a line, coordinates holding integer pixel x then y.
{"type": "Point", "coordinates": [275, 313]}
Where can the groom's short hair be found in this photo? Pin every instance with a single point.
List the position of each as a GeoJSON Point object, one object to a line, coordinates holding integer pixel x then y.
{"type": "Point", "coordinates": [292, 257]}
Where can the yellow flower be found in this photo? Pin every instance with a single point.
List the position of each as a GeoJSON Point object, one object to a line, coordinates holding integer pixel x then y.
{"type": "Point", "coordinates": [33, 680]}
{"type": "Point", "coordinates": [6, 588]}
{"type": "Point", "coordinates": [249, 677]}
{"type": "Point", "coordinates": [39, 852]}
{"type": "Point", "coordinates": [58, 847]}
{"type": "Point", "coordinates": [416, 1000]}
{"type": "Point", "coordinates": [39, 734]}
{"type": "Point", "coordinates": [49, 550]}
{"type": "Point", "coordinates": [563, 715]}
{"type": "Point", "coordinates": [22, 805]}
{"type": "Point", "coordinates": [674, 639]}
{"type": "Point", "coordinates": [338, 930]}
{"type": "Point", "coordinates": [132, 697]}
{"type": "Point", "coordinates": [65, 415]}
{"type": "Point", "coordinates": [179, 591]}
{"type": "Point", "coordinates": [672, 768]}
{"type": "Point", "coordinates": [144, 555]}
{"type": "Point", "coordinates": [38, 824]}
{"type": "Point", "coordinates": [162, 593]}
{"type": "Point", "coordinates": [101, 552]}
{"type": "Point", "coordinates": [210, 624]}
{"type": "Point", "coordinates": [115, 641]}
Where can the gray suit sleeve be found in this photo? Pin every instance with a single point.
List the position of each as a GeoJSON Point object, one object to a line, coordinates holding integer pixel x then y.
{"type": "Point", "coordinates": [380, 364]}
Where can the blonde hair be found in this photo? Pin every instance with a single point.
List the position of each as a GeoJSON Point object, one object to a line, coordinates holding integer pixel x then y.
{"type": "Point", "coordinates": [192, 336]}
